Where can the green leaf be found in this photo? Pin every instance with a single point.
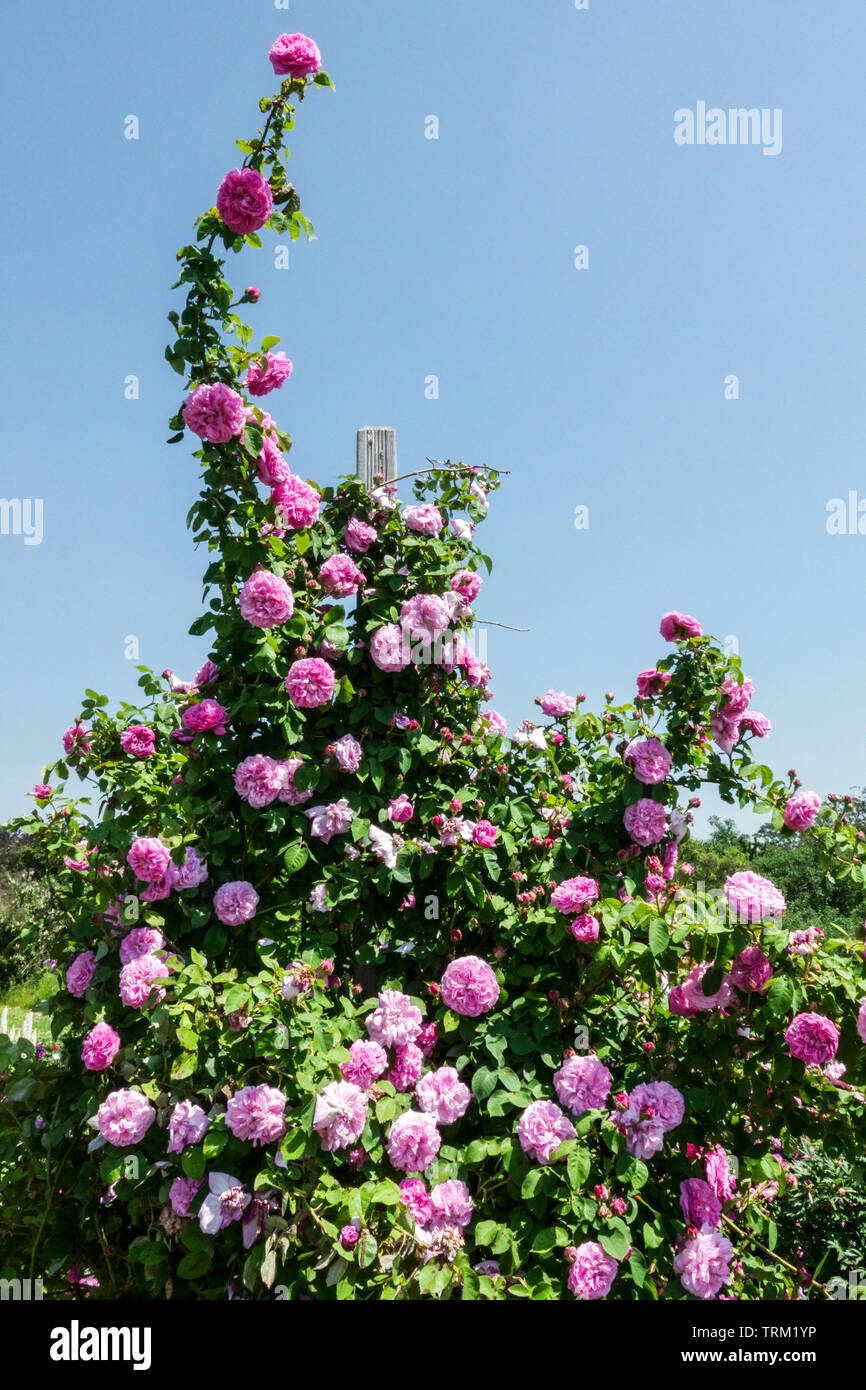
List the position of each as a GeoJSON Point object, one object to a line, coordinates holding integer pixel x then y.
{"type": "Point", "coordinates": [193, 1163]}
{"type": "Point", "coordinates": [659, 936]}
{"type": "Point", "coordinates": [616, 1239]}
{"type": "Point", "coordinates": [295, 857]}
{"type": "Point", "coordinates": [366, 1250]}
{"type": "Point", "coordinates": [578, 1165]}
{"type": "Point", "coordinates": [195, 1264]}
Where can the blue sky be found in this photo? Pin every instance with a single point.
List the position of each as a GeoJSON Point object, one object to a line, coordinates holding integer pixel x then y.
{"type": "Point", "coordinates": [454, 257]}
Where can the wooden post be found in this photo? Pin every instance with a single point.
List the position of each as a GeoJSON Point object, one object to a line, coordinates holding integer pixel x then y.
{"type": "Point", "coordinates": [377, 453]}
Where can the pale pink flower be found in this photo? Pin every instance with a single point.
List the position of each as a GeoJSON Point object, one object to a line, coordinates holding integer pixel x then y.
{"type": "Point", "coordinates": [257, 1113]}
{"type": "Point", "coordinates": [451, 1203]}
{"type": "Point", "coordinates": [861, 1022]}
{"type": "Point", "coordinates": [396, 1021]}
{"type": "Point", "coordinates": [327, 821]}
{"type": "Point", "coordinates": [340, 1114]}
{"type": "Point", "coordinates": [542, 1128]}
{"type": "Point", "coordinates": [187, 1125]}
{"type": "Point", "coordinates": [692, 991]}
{"type": "Point", "coordinates": [582, 1083]}
{"type": "Point", "coordinates": [556, 704]}
{"type": "Point", "coordinates": [235, 902]}
{"type": "Point", "coordinates": [443, 1095]}
{"type": "Point", "coordinates": [124, 1117]}
{"type": "Point", "coordinates": [592, 1272]}
{"type": "Point", "coordinates": [266, 600]}
{"type": "Point", "coordinates": [409, 1060]}
{"type": "Point", "coordinates": [388, 648]}
{"type": "Point", "coordinates": [726, 730]}
{"type": "Point", "coordinates": [423, 618]}
{"type": "Point", "coordinates": [703, 1264]}
{"type": "Point", "coordinates": [413, 1142]}
{"type": "Point", "coordinates": [496, 723]}
{"type": "Point", "coordinates": [348, 753]}
{"type": "Point", "coordinates": [289, 793]}
{"type": "Point", "coordinates": [310, 683]}
{"type": "Point", "coordinates": [385, 847]}
{"type": "Point", "coordinates": [182, 1193]}
{"type": "Point", "coordinates": [718, 1174]}
{"type": "Point", "coordinates": [752, 898]}
{"type": "Point", "coordinates": [225, 1202]}
{"type": "Point", "coordinates": [426, 519]}
{"type": "Point", "coordinates": [469, 987]}
{"type": "Point", "coordinates": [192, 871]}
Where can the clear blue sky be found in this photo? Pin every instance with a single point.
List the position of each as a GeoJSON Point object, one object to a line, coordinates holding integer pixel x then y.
{"type": "Point", "coordinates": [454, 257]}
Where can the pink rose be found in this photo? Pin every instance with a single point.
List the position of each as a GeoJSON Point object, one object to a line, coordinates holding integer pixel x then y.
{"type": "Point", "coordinates": [244, 201]}
{"type": "Point", "coordinates": [582, 1083]}
{"type": "Point", "coordinates": [556, 704]}
{"type": "Point", "coordinates": [149, 859]}
{"type": "Point", "coordinates": [485, 834]}
{"type": "Point", "coordinates": [141, 941]}
{"type": "Point", "coordinates": [652, 682]}
{"type": "Point", "coordinates": [256, 1113]}
{"type": "Point", "coordinates": [215, 413]}
{"type": "Point", "coordinates": [400, 809]}
{"type": "Point", "coordinates": [416, 1200]}
{"type": "Point", "coordinates": [426, 519]}
{"type": "Point", "coordinates": [262, 380]}
{"type": "Point", "coordinates": [340, 1115]}
{"type": "Point", "coordinates": [124, 1117]}
{"type": "Point", "coordinates": [573, 894]}
{"type": "Point", "coordinates": [259, 780]}
{"type": "Point", "coordinates": [584, 927]}
{"type": "Point", "coordinates": [294, 55]}
{"type": "Point", "coordinates": [235, 902]}
{"type": "Point", "coordinates": [388, 650]}
{"type": "Point", "coordinates": [396, 1021]}
{"type": "Point", "coordinates": [469, 987]}
{"type": "Point", "coordinates": [413, 1142]}
{"type": "Point", "coordinates": [138, 740]}
{"type": "Point", "coordinates": [340, 576]}
{"type": "Point", "coordinates": [443, 1095]}
{"type": "Point", "coordinates": [348, 753]}
{"type": "Point", "coordinates": [645, 821]}
{"type": "Point", "coordinates": [80, 973]}
{"type": "Point", "coordinates": [407, 1067]}
{"type": "Point", "coordinates": [700, 1204]}
{"type": "Point", "coordinates": [297, 503]}
{"type": "Point", "coordinates": [676, 627]}
{"type": "Point", "coordinates": [206, 716]}
{"type": "Point", "coordinates": [136, 980]}
{"type": "Point", "coordinates": [310, 683]}
{"type": "Point", "coordinates": [266, 600]}
{"type": "Point", "coordinates": [359, 535]}
{"type": "Point", "coordinates": [100, 1047]}
{"type": "Point", "coordinates": [592, 1272]}
{"type": "Point", "coordinates": [367, 1062]}
{"type": "Point", "coordinates": [752, 898]}
{"type": "Point", "coordinates": [187, 1125]}
{"type": "Point", "coordinates": [703, 1264]}
{"type": "Point", "coordinates": [542, 1128]}
{"type": "Point", "coordinates": [812, 1038]}
{"type": "Point", "coordinates": [801, 810]}
{"type": "Point", "coordinates": [467, 584]}
{"type": "Point", "coordinates": [327, 821]}
{"type": "Point", "coordinates": [649, 760]}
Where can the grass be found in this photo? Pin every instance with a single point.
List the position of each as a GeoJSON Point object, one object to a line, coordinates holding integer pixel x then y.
{"type": "Point", "coordinates": [25, 998]}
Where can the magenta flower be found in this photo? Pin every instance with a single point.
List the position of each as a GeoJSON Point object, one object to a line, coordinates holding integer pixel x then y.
{"type": "Point", "coordinates": [812, 1038]}
{"type": "Point", "coordinates": [574, 894]}
{"type": "Point", "coordinates": [310, 683]}
{"type": "Point", "coordinates": [141, 941]}
{"type": "Point", "coordinates": [359, 535]}
{"type": "Point", "coordinates": [389, 650]}
{"type": "Point", "coordinates": [149, 859]}
{"type": "Point", "coordinates": [295, 55]}
{"type": "Point", "coordinates": [261, 380]}
{"type": "Point", "coordinates": [181, 1193]}
{"type": "Point", "coordinates": [676, 627]}
{"type": "Point", "coordinates": [592, 1272]}
{"type": "Point", "coordinates": [266, 600]}
{"type": "Point", "coordinates": [297, 503]}
{"type": "Point", "coordinates": [645, 821]}
{"type": "Point", "coordinates": [100, 1047]}
{"type": "Point", "coordinates": [256, 1113]}
{"type": "Point", "coordinates": [801, 810]}
{"type": "Point", "coordinates": [80, 973]}
{"type": "Point", "coordinates": [187, 1125]}
{"type": "Point", "coordinates": [485, 834]}
{"type": "Point", "coordinates": [136, 980]}
{"type": "Point", "coordinates": [259, 780]}
{"type": "Point", "coordinates": [138, 740]}
{"type": "Point", "coordinates": [367, 1061]}
{"type": "Point", "coordinates": [469, 987]}
{"type": "Point", "coordinates": [244, 201]}
{"type": "Point", "coordinates": [206, 716]}
{"type": "Point", "coordinates": [416, 1200]}
{"type": "Point", "coordinates": [214, 412]}
{"type": "Point", "coordinates": [340, 576]}
{"type": "Point", "coordinates": [124, 1117]}
{"type": "Point", "coordinates": [700, 1204]}
{"type": "Point", "coordinates": [582, 1083]}
{"type": "Point", "coordinates": [407, 1067]}
{"type": "Point", "coordinates": [649, 760]}
{"type": "Point", "coordinates": [400, 809]}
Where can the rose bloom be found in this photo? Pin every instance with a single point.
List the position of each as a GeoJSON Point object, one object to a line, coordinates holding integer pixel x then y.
{"type": "Point", "coordinates": [801, 810]}
{"type": "Point", "coordinates": [262, 380]}
{"type": "Point", "coordinates": [485, 834]}
{"type": "Point", "coordinates": [388, 649]}
{"type": "Point", "coordinates": [367, 1061]}
{"type": "Point", "coordinates": [80, 973]}
{"type": "Point", "coordinates": [340, 576]}
{"type": "Point", "coordinates": [645, 821]}
{"type": "Point", "coordinates": [348, 753]}
{"type": "Point", "coordinates": [100, 1047]}
{"type": "Point", "coordinates": [426, 519]}
{"type": "Point", "coordinates": [757, 724]}
{"type": "Point", "coordinates": [582, 1083]}
{"type": "Point", "coordinates": [207, 715]}
{"type": "Point", "coordinates": [359, 535]}
{"type": "Point", "coordinates": [340, 1115]}
{"type": "Point", "coordinates": [467, 584]}
{"type": "Point", "coordinates": [244, 201]}
{"type": "Point", "coordinates": [259, 780]}
{"type": "Point", "coordinates": [700, 1204]}
{"type": "Point", "coordinates": [666, 1101]}
{"type": "Point", "coordinates": [383, 846]}
{"type": "Point", "coordinates": [692, 990]}
{"type": "Point", "coordinates": [138, 740]}
{"type": "Point", "coordinates": [751, 970]}
{"type": "Point", "coordinates": [451, 1203]}
{"type": "Point", "coordinates": [652, 682]}
{"type": "Point", "coordinates": [443, 1095]}
{"type": "Point", "coordinates": [718, 1174]}
{"type": "Point", "coordinates": [182, 1193]}
{"type": "Point", "coordinates": [806, 942]}
{"type": "Point", "coordinates": [187, 1125]}
{"type": "Point", "coordinates": [592, 1272]}
{"type": "Point", "coordinates": [214, 412]}
{"type": "Point", "coordinates": [42, 791]}
{"type": "Point", "coordinates": [136, 980]}
{"type": "Point", "coordinates": [294, 55]}
{"type": "Point", "coordinates": [413, 1142]}
{"type": "Point", "coordinates": [148, 858]}
{"type": "Point", "coordinates": [310, 683]}
{"type": "Point", "coordinates": [703, 1263]}
{"type": "Point", "coordinates": [289, 793]}
{"type": "Point", "coordinates": [496, 723]}
{"type": "Point", "coordinates": [675, 627]}
{"type": "Point", "coordinates": [736, 696]}
{"type": "Point", "coordinates": [192, 871]}
{"type": "Point", "coordinates": [235, 902]}
{"type": "Point", "coordinates": [813, 1038]}
{"type": "Point", "coordinates": [124, 1117]}
{"type": "Point", "coordinates": [726, 730]}
{"type": "Point", "coordinates": [649, 760]}
{"type": "Point", "coordinates": [266, 600]}
{"type": "Point", "coordinates": [327, 821]}
{"type": "Point", "coordinates": [400, 809]}
{"type": "Point", "coordinates": [271, 464]}
{"type": "Point", "coordinates": [573, 894]}
{"type": "Point", "coordinates": [161, 887]}
{"type": "Point", "coordinates": [225, 1202]}
{"type": "Point", "coordinates": [424, 618]}
{"type": "Point", "coordinates": [396, 1021]}
{"type": "Point", "coordinates": [256, 1113]}
{"type": "Point", "coordinates": [557, 705]}
{"type": "Point", "coordinates": [861, 1022]}
{"type": "Point", "coordinates": [407, 1067]}
{"type": "Point", "coordinates": [297, 503]}
{"type": "Point", "coordinates": [141, 941]}
{"type": "Point", "coordinates": [542, 1128]}
{"type": "Point", "coordinates": [416, 1200]}
{"type": "Point", "coordinates": [469, 987]}
{"type": "Point", "coordinates": [584, 927]}
{"type": "Point", "coordinates": [752, 898]}
{"type": "Point", "coordinates": [76, 739]}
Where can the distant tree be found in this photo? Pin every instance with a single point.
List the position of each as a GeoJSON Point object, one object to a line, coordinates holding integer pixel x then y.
{"type": "Point", "coordinates": [29, 919]}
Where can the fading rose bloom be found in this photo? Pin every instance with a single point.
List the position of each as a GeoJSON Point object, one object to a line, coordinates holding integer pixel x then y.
{"type": "Point", "coordinates": [496, 724]}
{"type": "Point", "coordinates": [297, 503]}
{"type": "Point", "coordinates": [348, 753]}
{"type": "Point", "coordinates": [592, 1272]}
{"type": "Point", "coordinates": [310, 683]}
{"type": "Point", "coordinates": [424, 618]}
{"type": "Point", "coordinates": [331, 820]}
{"type": "Point", "coordinates": [413, 1142]}
{"type": "Point", "coordinates": [289, 793]}
{"type": "Point", "coordinates": [676, 627]}
{"type": "Point", "coordinates": [462, 529]}
{"type": "Point", "coordinates": [400, 809]}
{"type": "Point", "coordinates": [367, 1062]}
{"type": "Point", "coordinates": [261, 380]}
{"type": "Point", "coordinates": [806, 942]}
{"type": "Point", "coordinates": [138, 740]}
{"type": "Point", "coordinates": [703, 1264]}
{"type": "Point", "coordinates": [182, 1193]}
{"type": "Point", "coordinates": [148, 858]}
{"type": "Point", "coordinates": [294, 55]}
{"type": "Point", "coordinates": [136, 980]}
{"type": "Point", "coordinates": [192, 871]}
{"type": "Point", "coordinates": [225, 1202]}
{"type": "Point", "coordinates": [396, 1021]}
{"type": "Point", "coordinates": [750, 970]}
{"type": "Point", "coordinates": [801, 810]}
{"type": "Point", "coordinates": [700, 1204]}
{"type": "Point", "coordinates": [358, 535]}
{"type": "Point", "coordinates": [426, 519]}
{"type": "Point", "coordinates": [693, 991]}
{"type": "Point", "coordinates": [100, 1047]}
{"type": "Point", "coordinates": [541, 1129]}
{"type": "Point", "coordinates": [259, 780]}
{"type": "Point", "coordinates": [389, 650]}
{"type": "Point", "coordinates": [80, 973]}
{"type": "Point", "coordinates": [726, 730]}
{"type": "Point", "coordinates": [124, 1117]}
{"type": "Point", "coordinates": [557, 705]}
{"type": "Point", "coordinates": [214, 412]}
{"type": "Point", "coordinates": [649, 760]}
{"type": "Point", "coordinates": [735, 697]}
{"type": "Point", "coordinates": [141, 941]}
{"type": "Point", "coordinates": [469, 987]}
{"type": "Point", "coordinates": [244, 201]}
{"type": "Point", "coordinates": [718, 1174]}
{"type": "Point", "coordinates": [385, 847]}
{"type": "Point", "coordinates": [812, 1038]}
{"type": "Point", "coordinates": [266, 600]}
{"type": "Point", "coordinates": [645, 821]}
{"type": "Point", "coordinates": [235, 902]}
{"type": "Point", "coordinates": [42, 791]}
{"type": "Point", "coordinates": [443, 1095]}
{"type": "Point", "coordinates": [340, 1115]}
{"type": "Point", "coordinates": [752, 898]}
{"type": "Point", "coordinates": [257, 1113]}
{"type": "Point", "coordinates": [757, 724]}
{"type": "Point", "coordinates": [340, 576]}
{"type": "Point", "coordinates": [187, 1125]}
{"type": "Point", "coordinates": [582, 1083]}
{"type": "Point", "coordinates": [574, 894]}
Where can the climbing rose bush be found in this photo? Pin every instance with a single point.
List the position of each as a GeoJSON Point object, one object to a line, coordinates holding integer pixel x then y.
{"type": "Point", "coordinates": [363, 998]}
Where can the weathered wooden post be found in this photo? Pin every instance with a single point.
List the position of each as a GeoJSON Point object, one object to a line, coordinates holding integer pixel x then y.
{"type": "Point", "coordinates": [377, 453]}
{"type": "Point", "coordinates": [4, 1022]}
